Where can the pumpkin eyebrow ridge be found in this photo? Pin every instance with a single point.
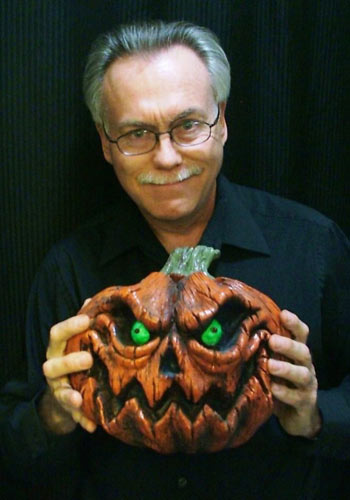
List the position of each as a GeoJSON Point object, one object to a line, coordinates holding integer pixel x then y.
{"type": "Point", "coordinates": [151, 301]}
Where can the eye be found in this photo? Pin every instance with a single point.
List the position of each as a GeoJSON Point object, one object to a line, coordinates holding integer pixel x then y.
{"type": "Point", "coordinates": [138, 134]}
{"type": "Point", "coordinates": [212, 334]}
{"type": "Point", "coordinates": [139, 333]}
{"type": "Point", "coordinates": [188, 125]}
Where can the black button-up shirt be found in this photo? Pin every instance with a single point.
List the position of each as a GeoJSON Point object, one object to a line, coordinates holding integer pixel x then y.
{"type": "Point", "coordinates": [291, 253]}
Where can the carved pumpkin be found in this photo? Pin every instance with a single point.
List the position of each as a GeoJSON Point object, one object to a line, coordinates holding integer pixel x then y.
{"type": "Point", "coordinates": [180, 359]}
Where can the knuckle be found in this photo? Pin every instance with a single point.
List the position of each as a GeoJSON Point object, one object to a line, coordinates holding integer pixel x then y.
{"type": "Point", "coordinates": [305, 327]}
{"type": "Point", "coordinates": [62, 394]}
{"type": "Point", "coordinates": [54, 332]}
{"type": "Point", "coordinates": [47, 369]}
{"type": "Point", "coordinates": [305, 354]}
{"type": "Point", "coordinates": [303, 331]}
{"type": "Point", "coordinates": [305, 376]}
{"type": "Point", "coordinates": [285, 370]}
{"type": "Point", "coordinates": [67, 364]}
{"type": "Point", "coordinates": [308, 358]}
{"type": "Point", "coordinates": [298, 398]}
{"type": "Point", "coordinates": [50, 368]}
{"type": "Point", "coordinates": [293, 318]}
{"type": "Point", "coordinates": [71, 324]}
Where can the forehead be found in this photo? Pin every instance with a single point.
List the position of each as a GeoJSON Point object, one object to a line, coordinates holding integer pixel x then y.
{"type": "Point", "coordinates": [170, 79]}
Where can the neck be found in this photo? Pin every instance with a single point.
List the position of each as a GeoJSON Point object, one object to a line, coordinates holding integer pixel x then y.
{"type": "Point", "coordinates": [171, 239]}
{"type": "Point", "coordinates": [184, 233]}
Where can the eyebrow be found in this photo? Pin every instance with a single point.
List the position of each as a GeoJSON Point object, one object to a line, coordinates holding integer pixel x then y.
{"type": "Point", "coordinates": [149, 126]}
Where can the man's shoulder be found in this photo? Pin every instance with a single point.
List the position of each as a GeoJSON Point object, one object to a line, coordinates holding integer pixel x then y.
{"type": "Point", "coordinates": [89, 236]}
{"type": "Point", "coordinates": [264, 205]}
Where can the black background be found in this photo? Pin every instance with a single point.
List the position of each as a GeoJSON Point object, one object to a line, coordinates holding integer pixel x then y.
{"type": "Point", "coordinates": [287, 118]}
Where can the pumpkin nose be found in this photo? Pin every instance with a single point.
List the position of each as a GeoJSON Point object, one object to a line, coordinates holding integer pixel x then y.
{"type": "Point", "coordinates": [169, 365]}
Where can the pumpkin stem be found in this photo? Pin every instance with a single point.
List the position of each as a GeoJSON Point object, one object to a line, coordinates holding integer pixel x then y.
{"type": "Point", "coordinates": [187, 260]}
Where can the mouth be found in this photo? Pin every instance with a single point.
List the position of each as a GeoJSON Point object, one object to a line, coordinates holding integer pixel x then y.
{"type": "Point", "coordinates": [170, 178]}
{"type": "Point", "coordinates": [220, 402]}
{"type": "Point", "coordinates": [174, 423]}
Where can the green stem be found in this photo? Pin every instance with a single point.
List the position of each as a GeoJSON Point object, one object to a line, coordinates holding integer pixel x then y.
{"type": "Point", "coordinates": [188, 260]}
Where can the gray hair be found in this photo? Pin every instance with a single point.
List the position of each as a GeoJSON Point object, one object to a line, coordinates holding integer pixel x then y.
{"type": "Point", "coordinates": [147, 37]}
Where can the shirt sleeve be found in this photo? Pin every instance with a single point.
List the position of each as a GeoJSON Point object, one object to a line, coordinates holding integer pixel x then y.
{"type": "Point", "coordinates": [333, 369]}
{"type": "Point", "coordinates": [29, 452]}
{"type": "Point", "coordinates": [334, 399]}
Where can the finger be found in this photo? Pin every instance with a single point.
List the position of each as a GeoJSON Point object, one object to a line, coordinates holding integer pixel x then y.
{"type": "Point", "coordinates": [83, 421]}
{"type": "Point", "coordinates": [70, 363]}
{"type": "Point", "coordinates": [298, 328]}
{"type": "Point", "coordinates": [86, 303]}
{"type": "Point", "coordinates": [294, 350]}
{"type": "Point", "coordinates": [294, 397]}
{"type": "Point", "coordinates": [284, 394]}
{"type": "Point", "coordinates": [300, 376]}
{"type": "Point", "coordinates": [61, 332]}
{"type": "Point", "coordinates": [71, 401]}
{"type": "Point", "coordinates": [68, 398]}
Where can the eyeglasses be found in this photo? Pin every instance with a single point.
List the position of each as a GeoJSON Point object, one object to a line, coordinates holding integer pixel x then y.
{"type": "Point", "coordinates": [186, 133]}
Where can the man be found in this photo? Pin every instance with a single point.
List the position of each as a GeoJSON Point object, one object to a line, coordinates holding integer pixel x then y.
{"type": "Point", "coordinates": [157, 93]}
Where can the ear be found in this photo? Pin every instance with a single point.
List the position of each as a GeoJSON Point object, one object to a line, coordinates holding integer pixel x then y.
{"type": "Point", "coordinates": [222, 122]}
{"type": "Point", "coordinates": [106, 145]}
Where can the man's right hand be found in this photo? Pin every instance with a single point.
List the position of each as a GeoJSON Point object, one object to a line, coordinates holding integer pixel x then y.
{"type": "Point", "coordinates": [60, 406]}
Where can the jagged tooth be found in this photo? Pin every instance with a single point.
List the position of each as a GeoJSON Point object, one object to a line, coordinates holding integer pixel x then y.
{"type": "Point", "coordinates": [120, 378]}
{"type": "Point", "coordinates": [184, 431]}
{"type": "Point", "coordinates": [199, 388]}
{"type": "Point", "coordinates": [253, 407]}
{"type": "Point", "coordinates": [210, 430]}
{"type": "Point", "coordinates": [164, 431]}
{"type": "Point", "coordinates": [153, 386]}
{"type": "Point", "coordinates": [160, 387]}
{"type": "Point", "coordinates": [101, 413]}
{"type": "Point", "coordinates": [232, 420]}
{"type": "Point", "coordinates": [131, 425]}
{"type": "Point", "coordinates": [133, 410]}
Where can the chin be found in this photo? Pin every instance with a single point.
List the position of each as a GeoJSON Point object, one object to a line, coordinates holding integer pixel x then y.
{"type": "Point", "coordinates": [175, 212]}
{"type": "Point", "coordinates": [175, 216]}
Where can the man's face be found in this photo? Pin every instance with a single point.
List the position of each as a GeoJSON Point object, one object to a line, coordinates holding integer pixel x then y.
{"type": "Point", "coordinates": [156, 92]}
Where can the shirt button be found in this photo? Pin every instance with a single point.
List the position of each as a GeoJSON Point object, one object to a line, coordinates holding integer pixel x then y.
{"type": "Point", "coordinates": [182, 482]}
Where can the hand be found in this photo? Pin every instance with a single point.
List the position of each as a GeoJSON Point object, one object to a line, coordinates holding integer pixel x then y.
{"type": "Point", "coordinates": [60, 407]}
{"type": "Point", "coordinates": [296, 405]}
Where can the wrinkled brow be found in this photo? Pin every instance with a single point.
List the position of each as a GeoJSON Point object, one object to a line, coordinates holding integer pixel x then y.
{"type": "Point", "coordinates": [141, 124]}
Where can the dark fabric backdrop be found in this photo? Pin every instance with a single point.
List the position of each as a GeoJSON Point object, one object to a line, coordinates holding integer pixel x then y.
{"type": "Point", "coordinates": [287, 117]}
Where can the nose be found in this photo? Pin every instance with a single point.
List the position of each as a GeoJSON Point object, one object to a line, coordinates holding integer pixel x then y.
{"type": "Point", "coordinates": [166, 154]}
{"type": "Point", "coordinates": [169, 365]}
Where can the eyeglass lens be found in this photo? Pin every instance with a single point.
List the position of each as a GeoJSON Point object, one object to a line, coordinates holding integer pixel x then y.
{"type": "Point", "coordinates": [189, 133]}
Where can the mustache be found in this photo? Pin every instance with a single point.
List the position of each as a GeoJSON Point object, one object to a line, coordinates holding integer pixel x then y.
{"type": "Point", "coordinates": [171, 177]}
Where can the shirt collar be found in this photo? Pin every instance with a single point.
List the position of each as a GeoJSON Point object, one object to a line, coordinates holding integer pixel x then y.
{"type": "Point", "coordinates": [125, 229]}
{"type": "Point", "coordinates": [231, 224]}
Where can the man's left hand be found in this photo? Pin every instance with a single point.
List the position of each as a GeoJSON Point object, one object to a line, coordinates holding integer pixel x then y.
{"type": "Point", "coordinates": [296, 405]}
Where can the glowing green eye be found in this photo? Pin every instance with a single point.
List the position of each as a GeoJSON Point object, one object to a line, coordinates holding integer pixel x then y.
{"type": "Point", "coordinates": [212, 335]}
{"type": "Point", "coordinates": [139, 333]}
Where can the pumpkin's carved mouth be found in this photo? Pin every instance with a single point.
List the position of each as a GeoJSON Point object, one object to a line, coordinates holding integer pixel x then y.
{"type": "Point", "coordinates": [216, 398]}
